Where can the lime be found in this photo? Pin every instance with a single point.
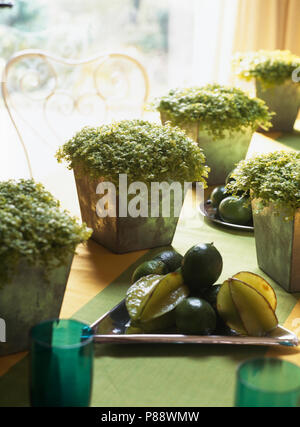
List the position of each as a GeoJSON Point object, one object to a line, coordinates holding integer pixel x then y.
{"type": "Point", "coordinates": [171, 258]}
{"type": "Point", "coordinates": [195, 316]}
{"type": "Point", "coordinates": [210, 295]}
{"type": "Point", "coordinates": [235, 210]}
{"type": "Point", "coordinates": [201, 267]}
{"type": "Point", "coordinates": [217, 195]}
{"type": "Point", "coordinates": [154, 266]}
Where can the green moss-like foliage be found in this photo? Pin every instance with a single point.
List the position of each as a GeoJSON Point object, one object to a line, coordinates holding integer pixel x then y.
{"type": "Point", "coordinates": [269, 67]}
{"type": "Point", "coordinates": [216, 108]}
{"type": "Point", "coordinates": [34, 229]}
{"type": "Point", "coordinates": [272, 178]}
{"type": "Point", "coordinates": [145, 151]}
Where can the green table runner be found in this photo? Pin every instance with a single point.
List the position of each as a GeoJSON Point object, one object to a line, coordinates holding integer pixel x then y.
{"type": "Point", "coordinates": [164, 375]}
{"type": "Point", "coordinates": [291, 141]}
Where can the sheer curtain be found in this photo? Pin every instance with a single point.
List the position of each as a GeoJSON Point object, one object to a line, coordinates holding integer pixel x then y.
{"type": "Point", "coordinates": [268, 24]}
{"type": "Point", "coordinates": [214, 25]}
{"type": "Point", "coordinates": [201, 41]}
{"type": "Point", "coordinates": [204, 34]}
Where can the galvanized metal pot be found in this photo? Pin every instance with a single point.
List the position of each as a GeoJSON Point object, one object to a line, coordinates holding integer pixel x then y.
{"type": "Point", "coordinates": [284, 100]}
{"type": "Point", "coordinates": [122, 234]}
{"type": "Point", "coordinates": [222, 155]}
{"type": "Point", "coordinates": [31, 297]}
{"type": "Point", "coordinates": [278, 246]}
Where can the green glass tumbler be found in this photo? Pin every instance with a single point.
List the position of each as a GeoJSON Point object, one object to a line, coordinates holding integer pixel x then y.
{"type": "Point", "coordinates": [268, 382]}
{"type": "Point", "coordinates": [61, 364]}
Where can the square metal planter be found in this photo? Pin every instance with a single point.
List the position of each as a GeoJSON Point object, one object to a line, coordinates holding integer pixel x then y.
{"type": "Point", "coordinates": [122, 234]}
{"type": "Point", "coordinates": [284, 100]}
{"type": "Point", "coordinates": [31, 297]}
{"type": "Point", "coordinates": [278, 246]}
{"type": "Point", "coordinates": [222, 155]}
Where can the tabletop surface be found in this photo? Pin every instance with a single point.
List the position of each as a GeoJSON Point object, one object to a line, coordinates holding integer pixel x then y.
{"type": "Point", "coordinates": [162, 375]}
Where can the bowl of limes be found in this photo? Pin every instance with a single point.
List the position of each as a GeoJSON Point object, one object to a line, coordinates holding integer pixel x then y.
{"type": "Point", "coordinates": [228, 210]}
{"type": "Point", "coordinates": [188, 299]}
{"type": "Point", "coordinates": [174, 298]}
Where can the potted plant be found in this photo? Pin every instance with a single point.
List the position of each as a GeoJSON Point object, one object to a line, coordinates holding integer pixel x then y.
{"type": "Point", "coordinates": [38, 241]}
{"type": "Point", "coordinates": [221, 119]}
{"type": "Point", "coordinates": [272, 72]}
{"type": "Point", "coordinates": [127, 158]}
{"type": "Point", "coordinates": [273, 180]}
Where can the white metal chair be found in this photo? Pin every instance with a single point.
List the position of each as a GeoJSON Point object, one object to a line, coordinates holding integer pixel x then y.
{"type": "Point", "coordinates": [49, 98]}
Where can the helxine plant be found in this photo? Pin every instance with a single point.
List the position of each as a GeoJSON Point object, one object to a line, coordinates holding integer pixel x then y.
{"type": "Point", "coordinates": [272, 178]}
{"type": "Point", "coordinates": [269, 67]}
{"type": "Point", "coordinates": [144, 151]}
{"type": "Point", "coordinates": [216, 108]}
{"type": "Point", "coordinates": [34, 229]}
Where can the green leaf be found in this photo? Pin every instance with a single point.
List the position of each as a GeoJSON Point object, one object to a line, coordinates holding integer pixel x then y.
{"type": "Point", "coordinates": [145, 151]}
{"type": "Point", "coordinates": [33, 228]}
{"type": "Point", "coordinates": [269, 67]}
{"type": "Point", "coordinates": [272, 178]}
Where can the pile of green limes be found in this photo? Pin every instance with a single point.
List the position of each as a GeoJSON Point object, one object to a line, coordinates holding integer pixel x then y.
{"type": "Point", "coordinates": [177, 293]}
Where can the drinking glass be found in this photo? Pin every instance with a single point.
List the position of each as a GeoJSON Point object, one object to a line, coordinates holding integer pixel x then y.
{"type": "Point", "coordinates": [268, 382]}
{"type": "Point", "coordinates": [61, 363]}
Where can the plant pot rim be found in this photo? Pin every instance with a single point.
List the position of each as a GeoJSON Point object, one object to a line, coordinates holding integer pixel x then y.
{"type": "Point", "coordinates": [277, 209]}
{"type": "Point", "coordinates": [191, 122]}
{"type": "Point", "coordinates": [81, 172]}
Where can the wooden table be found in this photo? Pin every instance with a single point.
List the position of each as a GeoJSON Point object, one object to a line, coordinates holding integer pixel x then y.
{"type": "Point", "coordinates": [88, 279]}
{"type": "Point", "coordinates": [84, 268]}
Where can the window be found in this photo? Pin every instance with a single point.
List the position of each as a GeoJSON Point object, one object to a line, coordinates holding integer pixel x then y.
{"type": "Point", "coordinates": [178, 41]}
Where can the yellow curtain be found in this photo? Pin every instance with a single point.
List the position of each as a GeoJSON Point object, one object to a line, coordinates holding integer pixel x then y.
{"type": "Point", "coordinates": [268, 24]}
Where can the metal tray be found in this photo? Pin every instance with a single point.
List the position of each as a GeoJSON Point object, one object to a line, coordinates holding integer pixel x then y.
{"type": "Point", "coordinates": [208, 211]}
{"type": "Point", "coordinates": [111, 327]}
